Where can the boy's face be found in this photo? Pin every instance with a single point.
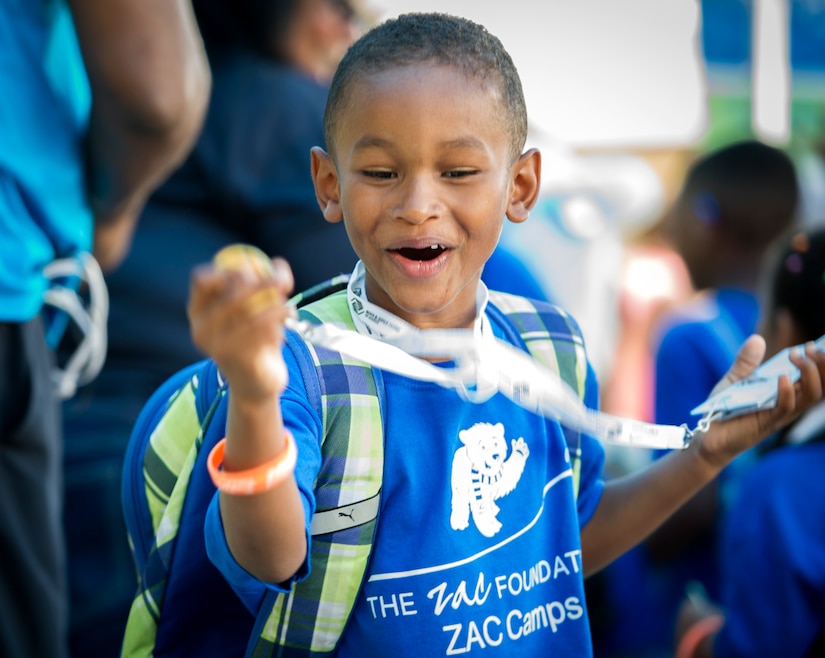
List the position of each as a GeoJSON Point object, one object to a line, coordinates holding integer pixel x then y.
{"type": "Point", "coordinates": [423, 178]}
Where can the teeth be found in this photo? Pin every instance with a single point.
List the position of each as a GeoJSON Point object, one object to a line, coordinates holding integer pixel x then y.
{"type": "Point", "coordinates": [420, 253]}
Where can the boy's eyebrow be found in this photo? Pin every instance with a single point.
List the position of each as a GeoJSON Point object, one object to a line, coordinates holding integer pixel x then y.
{"type": "Point", "coordinates": [468, 141]}
{"type": "Point", "coordinates": [370, 141]}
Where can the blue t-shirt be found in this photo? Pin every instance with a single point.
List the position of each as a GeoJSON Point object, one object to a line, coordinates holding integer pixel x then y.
{"type": "Point", "coordinates": [773, 558]}
{"type": "Point", "coordinates": [466, 560]}
{"type": "Point", "coordinates": [43, 119]}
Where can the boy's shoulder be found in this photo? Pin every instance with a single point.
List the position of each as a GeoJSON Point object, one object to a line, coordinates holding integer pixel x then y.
{"type": "Point", "coordinates": [534, 315]}
{"type": "Point", "coordinates": [334, 307]}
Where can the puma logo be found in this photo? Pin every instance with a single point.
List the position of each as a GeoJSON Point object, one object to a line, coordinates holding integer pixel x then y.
{"type": "Point", "coordinates": [348, 515]}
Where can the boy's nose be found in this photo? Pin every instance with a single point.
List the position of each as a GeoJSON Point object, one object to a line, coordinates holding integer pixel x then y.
{"type": "Point", "coordinates": [417, 201]}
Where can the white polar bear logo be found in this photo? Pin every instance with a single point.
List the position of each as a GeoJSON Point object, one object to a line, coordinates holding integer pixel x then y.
{"type": "Point", "coordinates": [481, 475]}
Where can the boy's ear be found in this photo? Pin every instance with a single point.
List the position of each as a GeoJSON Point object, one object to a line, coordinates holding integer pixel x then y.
{"type": "Point", "coordinates": [327, 187]}
{"type": "Point", "coordinates": [525, 186]}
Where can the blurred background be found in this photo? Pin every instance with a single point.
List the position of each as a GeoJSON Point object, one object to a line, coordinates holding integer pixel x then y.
{"type": "Point", "coordinates": [642, 74]}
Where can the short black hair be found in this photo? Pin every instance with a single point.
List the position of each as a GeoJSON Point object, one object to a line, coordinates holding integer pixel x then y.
{"type": "Point", "coordinates": [798, 281]}
{"type": "Point", "coordinates": [748, 188]}
{"type": "Point", "coordinates": [439, 39]}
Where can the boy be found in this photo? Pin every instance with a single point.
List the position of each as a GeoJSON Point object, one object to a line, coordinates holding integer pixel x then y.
{"type": "Point", "coordinates": [425, 125]}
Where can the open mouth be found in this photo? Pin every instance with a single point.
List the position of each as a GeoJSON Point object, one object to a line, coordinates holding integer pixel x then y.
{"type": "Point", "coordinates": [428, 253]}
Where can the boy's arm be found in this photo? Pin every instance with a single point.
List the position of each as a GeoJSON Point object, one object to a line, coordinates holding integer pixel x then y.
{"type": "Point", "coordinates": [150, 85]}
{"type": "Point", "coordinates": [633, 506]}
{"type": "Point", "coordinates": [237, 318]}
{"type": "Point", "coordinates": [266, 531]}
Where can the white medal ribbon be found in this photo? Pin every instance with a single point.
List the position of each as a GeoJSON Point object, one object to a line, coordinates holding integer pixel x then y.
{"type": "Point", "coordinates": [483, 366]}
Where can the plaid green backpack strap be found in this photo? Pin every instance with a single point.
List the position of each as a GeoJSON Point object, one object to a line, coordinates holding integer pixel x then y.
{"type": "Point", "coordinates": [309, 620]}
{"type": "Point", "coordinates": [553, 338]}
{"type": "Point", "coordinates": [164, 445]}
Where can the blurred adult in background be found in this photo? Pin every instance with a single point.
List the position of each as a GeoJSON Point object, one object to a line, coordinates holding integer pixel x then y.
{"type": "Point", "coordinates": [101, 101]}
{"type": "Point", "coordinates": [247, 179]}
{"type": "Point", "coordinates": [772, 592]}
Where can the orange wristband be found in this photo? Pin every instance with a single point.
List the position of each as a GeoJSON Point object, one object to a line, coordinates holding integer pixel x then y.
{"type": "Point", "coordinates": [696, 634]}
{"type": "Point", "coordinates": [252, 480]}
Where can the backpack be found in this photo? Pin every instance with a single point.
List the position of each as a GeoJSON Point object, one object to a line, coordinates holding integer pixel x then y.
{"type": "Point", "coordinates": [183, 605]}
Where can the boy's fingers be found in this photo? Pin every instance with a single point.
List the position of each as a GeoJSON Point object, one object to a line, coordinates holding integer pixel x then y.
{"type": "Point", "coordinates": [811, 365]}
{"type": "Point", "coordinates": [253, 263]}
{"type": "Point", "coordinates": [817, 355]}
{"type": "Point", "coordinates": [282, 273]}
{"type": "Point", "coordinates": [240, 293]}
{"type": "Point", "coordinates": [261, 301]}
{"type": "Point", "coordinates": [205, 283]}
{"type": "Point", "coordinates": [787, 401]}
{"type": "Point", "coordinates": [793, 399]}
{"type": "Point", "coordinates": [750, 355]}
{"type": "Point", "coordinates": [243, 258]}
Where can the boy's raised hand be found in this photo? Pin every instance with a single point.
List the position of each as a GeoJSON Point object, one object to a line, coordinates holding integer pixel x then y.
{"type": "Point", "coordinates": [724, 440]}
{"type": "Point", "coordinates": [236, 315]}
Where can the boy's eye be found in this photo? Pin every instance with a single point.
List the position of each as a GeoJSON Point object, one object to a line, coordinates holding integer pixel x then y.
{"type": "Point", "coordinates": [459, 173]}
{"type": "Point", "coordinates": [381, 174]}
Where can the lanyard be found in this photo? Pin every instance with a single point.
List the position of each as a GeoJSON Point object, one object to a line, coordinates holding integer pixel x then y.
{"type": "Point", "coordinates": [482, 365]}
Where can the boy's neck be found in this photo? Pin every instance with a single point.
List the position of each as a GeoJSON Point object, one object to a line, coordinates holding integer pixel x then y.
{"type": "Point", "coordinates": [365, 291]}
